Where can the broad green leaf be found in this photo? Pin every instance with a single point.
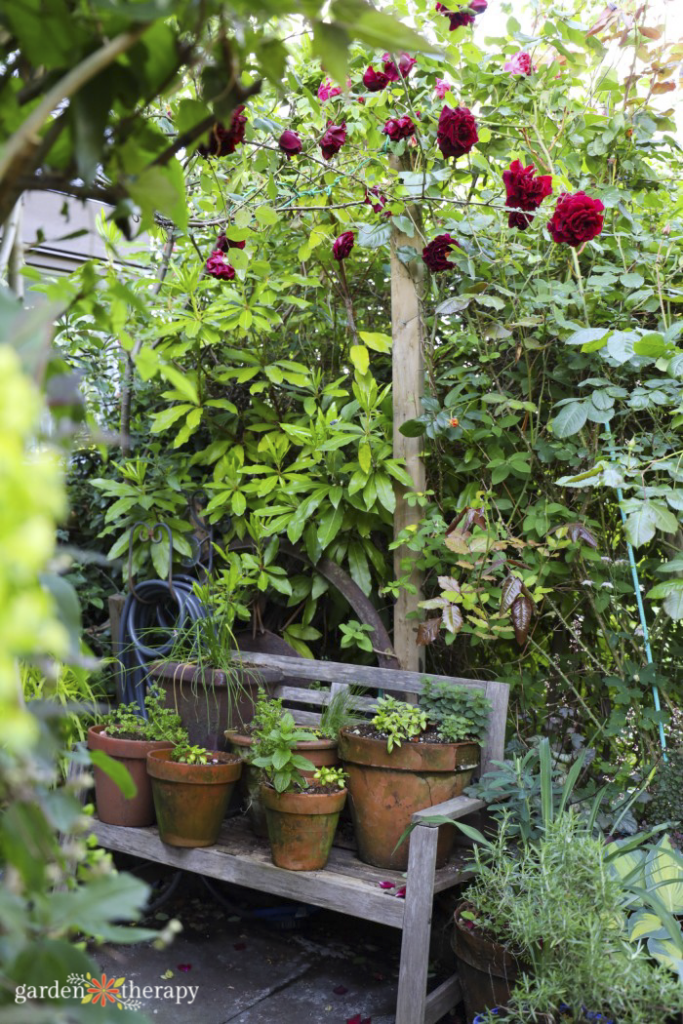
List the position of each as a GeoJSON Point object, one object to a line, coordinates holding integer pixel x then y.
{"type": "Point", "coordinates": [412, 428]}
{"type": "Point", "coordinates": [360, 357]}
{"type": "Point", "coordinates": [180, 382]}
{"type": "Point", "coordinates": [664, 875]}
{"type": "Point", "coordinates": [330, 525]}
{"type": "Point", "coordinates": [365, 457]}
{"type": "Point", "coordinates": [641, 525]}
{"type": "Point", "coordinates": [376, 341]}
{"type": "Point", "coordinates": [587, 335]}
{"type": "Point", "coordinates": [116, 771]}
{"type": "Point", "coordinates": [266, 215]}
{"type": "Point", "coordinates": [385, 491]}
{"type": "Point", "coordinates": [330, 46]}
{"type": "Point", "coordinates": [570, 419]}
{"type": "Point", "coordinates": [161, 189]}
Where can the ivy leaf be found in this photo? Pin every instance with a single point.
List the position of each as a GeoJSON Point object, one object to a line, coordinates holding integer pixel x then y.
{"type": "Point", "coordinates": [428, 631]}
{"type": "Point", "coordinates": [521, 618]}
{"type": "Point", "coordinates": [510, 591]}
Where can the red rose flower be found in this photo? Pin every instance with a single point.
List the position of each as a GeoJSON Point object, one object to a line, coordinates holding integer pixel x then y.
{"type": "Point", "coordinates": [343, 245]}
{"type": "Point", "coordinates": [333, 139]}
{"type": "Point", "coordinates": [435, 255]}
{"type": "Point", "coordinates": [290, 143]}
{"type": "Point", "coordinates": [520, 64]}
{"type": "Point", "coordinates": [223, 141]}
{"type": "Point", "coordinates": [378, 202]}
{"type": "Point", "coordinates": [375, 81]}
{"type": "Point", "coordinates": [524, 192]}
{"type": "Point", "coordinates": [327, 90]}
{"type": "Point", "coordinates": [218, 266]}
{"type": "Point", "coordinates": [456, 132]}
{"type": "Point", "coordinates": [406, 63]}
{"type": "Point", "coordinates": [442, 87]}
{"type": "Point", "coordinates": [465, 14]}
{"type": "Point", "coordinates": [223, 244]}
{"type": "Point", "coordinates": [398, 128]}
{"type": "Point", "coordinates": [577, 219]}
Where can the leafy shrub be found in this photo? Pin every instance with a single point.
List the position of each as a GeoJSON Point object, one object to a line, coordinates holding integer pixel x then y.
{"type": "Point", "coordinates": [398, 721]}
{"type": "Point", "coordinates": [274, 752]}
{"type": "Point", "coordinates": [460, 712]}
{"type": "Point", "coordinates": [127, 723]}
{"type": "Point", "coordinates": [666, 792]}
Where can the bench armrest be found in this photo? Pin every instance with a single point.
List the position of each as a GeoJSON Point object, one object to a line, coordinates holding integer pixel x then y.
{"type": "Point", "coordinates": [458, 807]}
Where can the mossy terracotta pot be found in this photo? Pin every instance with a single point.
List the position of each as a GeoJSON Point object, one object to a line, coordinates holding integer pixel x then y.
{"type": "Point", "coordinates": [191, 799]}
{"type": "Point", "coordinates": [386, 789]}
{"type": "Point", "coordinates": [486, 969]}
{"type": "Point", "coordinates": [112, 806]}
{"type": "Point", "coordinates": [301, 827]}
{"type": "Point", "coordinates": [321, 752]}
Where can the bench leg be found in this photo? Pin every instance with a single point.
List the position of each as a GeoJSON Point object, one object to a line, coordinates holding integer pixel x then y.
{"type": "Point", "coordinates": [417, 920]}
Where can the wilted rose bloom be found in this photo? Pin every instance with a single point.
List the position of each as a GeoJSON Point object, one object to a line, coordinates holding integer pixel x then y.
{"type": "Point", "coordinates": [343, 245]}
{"type": "Point", "coordinates": [406, 63]}
{"type": "Point", "coordinates": [290, 143]}
{"type": "Point", "coordinates": [222, 141]}
{"type": "Point", "coordinates": [442, 87]}
{"type": "Point", "coordinates": [376, 199]}
{"type": "Point", "coordinates": [333, 139]}
{"type": "Point", "coordinates": [456, 132]}
{"type": "Point", "coordinates": [398, 128]}
{"type": "Point", "coordinates": [375, 81]}
{"type": "Point", "coordinates": [435, 255]}
{"type": "Point", "coordinates": [524, 191]}
{"type": "Point", "coordinates": [520, 64]}
{"type": "Point", "coordinates": [577, 218]}
{"type": "Point", "coordinates": [218, 266]}
{"type": "Point", "coordinates": [327, 89]}
{"type": "Point", "coordinates": [465, 13]}
{"type": "Point", "coordinates": [223, 243]}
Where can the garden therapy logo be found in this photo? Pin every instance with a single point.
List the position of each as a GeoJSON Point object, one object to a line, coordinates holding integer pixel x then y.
{"type": "Point", "coordinates": [105, 991]}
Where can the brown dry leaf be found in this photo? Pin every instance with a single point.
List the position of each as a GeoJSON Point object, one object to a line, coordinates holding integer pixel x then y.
{"type": "Point", "coordinates": [428, 631]}
{"type": "Point", "coordinates": [521, 618]}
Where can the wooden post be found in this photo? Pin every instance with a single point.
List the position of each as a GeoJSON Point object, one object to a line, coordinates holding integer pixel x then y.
{"type": "Point", "coordinates": [408, 388]}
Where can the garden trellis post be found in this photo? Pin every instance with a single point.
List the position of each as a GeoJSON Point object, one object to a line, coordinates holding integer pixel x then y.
{"type": "Point", "coordinates": [408, 388]}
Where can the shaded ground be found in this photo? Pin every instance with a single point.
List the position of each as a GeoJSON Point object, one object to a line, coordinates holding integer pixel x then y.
{"type": "Point", "coordinates": [320, 968]}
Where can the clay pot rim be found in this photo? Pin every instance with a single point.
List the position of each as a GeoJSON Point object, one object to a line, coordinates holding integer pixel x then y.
{"type": "Point", "coordinates": [242, 740]}
{"type": "Point", "coordinates": [126, 749]}
{"type": "Point", "coordinates": [229, 769]}
{"type": "Point", "coordinates": [372, 752]}
{"type": "Point", "coordinates": [302, 802]}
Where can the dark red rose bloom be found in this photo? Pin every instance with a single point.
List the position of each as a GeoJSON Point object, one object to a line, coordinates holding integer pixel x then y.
{"type": "Point", "coordinates": [343, 245]}
{"type": "Point", "coordinates": [406, 63]}
{"type": "Point", "coordinates": [456, 132]}
{"type": "Point", "coordinates": [436, 253]}
{"type": "Point", "coordinates": [375, 81]}
{"type": "Point", "coordinates": [464, 15]}
{"type": "Point", "coordinates": [333, 139]}
{"type": "Point", "coordinates": [577, 219]}
{"type": "Point", "coordinates": [218, 266]}
{"type": "Point", "coordinates": [222, 141]}
{"type": "Point", "coordinates": [290, 143]}
{"type": "Point", "coordinates": [223, 244]}
{"type": "Point", "coordinates": [376, 199]}
{"type": "Point", "coordinates": [398, 128]}
{"type": "Point", "coordinates": [525, 191]}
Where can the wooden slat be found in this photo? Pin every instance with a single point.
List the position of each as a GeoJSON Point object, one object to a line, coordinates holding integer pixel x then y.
{"type": "Point", "coordinates": [458, 807]}
{"type": "Point", "coordinates": [305, 717]}
{"type": "Point", "coordinates": [417, 921]}
{"type": "Point", "coordinates": [248, 863]}
{"type": "Point", "coordinates": [443, 999]}
{"type": "Point", "coordinates": [494, 748]}
{"type": "Point", "coordinates": [319, 698]}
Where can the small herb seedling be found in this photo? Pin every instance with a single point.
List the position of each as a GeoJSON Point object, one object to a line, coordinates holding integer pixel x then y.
{"type": "Point", "coordinates": [398, 721]}
{"type": "Point", "coordinates": [274, 753]}
{"type": "Point", "coordinates": [331, 777]}
{"type": "Point", "coordinates": [185, 754]}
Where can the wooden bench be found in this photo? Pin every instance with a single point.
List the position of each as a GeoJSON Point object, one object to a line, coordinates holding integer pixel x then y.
{"type": "Point", "coordinates": [346, 885]}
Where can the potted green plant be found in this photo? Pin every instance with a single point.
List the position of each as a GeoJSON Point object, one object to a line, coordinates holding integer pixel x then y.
{"type": "Point", "coordinates": [191, 787]}
{"type": "Point", "coordinates": [408, 758]}
{"type": "Point", "coordinates": [302, 812]}
{"type": "Point", "coordinates": [126, 736]}
{"type": "Point", "coordinates": [318, 745]}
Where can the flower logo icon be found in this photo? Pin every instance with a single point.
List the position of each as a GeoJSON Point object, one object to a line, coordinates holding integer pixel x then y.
{"type": "Point", "coordinates": [105, 991]}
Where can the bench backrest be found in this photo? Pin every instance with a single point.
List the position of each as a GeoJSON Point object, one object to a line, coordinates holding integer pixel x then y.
{"type": "Point", "coordinates": [306, 704]}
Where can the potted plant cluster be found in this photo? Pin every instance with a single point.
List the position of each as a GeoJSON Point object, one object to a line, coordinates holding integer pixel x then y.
{"type": "Point", "coordinates": [318, 746]}
{"type": "Point", "coordinates": [302, 810]}
{"type": "Point", "coordinates": [408, 758]}
{"type": "Point", "coordinates": [191, 787]}
{"type": "Point", "coordinates": [128, 736]}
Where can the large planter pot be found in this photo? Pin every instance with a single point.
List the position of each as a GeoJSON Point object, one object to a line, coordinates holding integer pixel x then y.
{"type": "Point", "coordinates": [301, 827]}
{"type": "Point", "coordinates": [209, 701]}
{"type": "Point", "coordinates": [191, 799]}
{"type": "Point", "coordinates": [486, 969]}
{"type": "Point", "coordinates": [320, 752]}
{"type": "Point", "coordinates": [112, 806]}
{"type": "Point", "coordinates": [386, 789]}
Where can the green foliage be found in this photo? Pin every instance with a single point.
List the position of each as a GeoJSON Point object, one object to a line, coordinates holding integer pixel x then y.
{"type": "Point", "coordinates": [331, 777]}
{"type": "Point", "coordinates": [665, 804]}
{"type": "Point", "coordinates": [398, 721]}
{"type": "Point", "coordinates": [162, 723]}
{"type": "Point", "coordinates": [460, 712]}
{"type": "Point", "coordinates": [338, 713]}
{"type": "Point", "coordinates": [184, 753]}
{"type": "Point", "coordinates": [274, 752]}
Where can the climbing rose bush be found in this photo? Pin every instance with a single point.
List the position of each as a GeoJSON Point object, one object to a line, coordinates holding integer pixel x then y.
{"type": "Point", "coordinates": [577, 219]}
{"type": "Point", "coordinates": [406, 64]}
{"type": "Point", "coordinates": [456, 132]}
{"type": "Point", "coordinates": [442, 87]}
{"type": "Point", "coordinates": [375, 198]}
{"type": "Point", "coordinates": [223, 141]}
{"type": "Point", "coordinates": [375, 81]}
{"type": "Point", "coordinates": [525, 191]}
{"type": "Point", "coordinates": [520, 64]}
{"type": "Point", "coordinates": [290, 143]}
{"type": "Point", "coordinates": [343, 245]}
{"type": "Point", "coordinates": [398, 128]}
{"type": "Point", "coordinates": [218, 266]}
{"type": "Point", "coordinates": [327, 90]}
{"type": "Point", "coordinates": [223, 244]}
{"type": "Point", "coordinates": [333, 139]}
{"type": "Point", "coordinates": [464, 15]}
{"type": "Point", "coordinates": [435, 255]}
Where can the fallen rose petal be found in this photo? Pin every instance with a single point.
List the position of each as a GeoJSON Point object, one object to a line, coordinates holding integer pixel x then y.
{"type": "Point", "coordinates": [386, 885]}
{"type": "Point", "coordinates": [184, 967]}
{"type": "Point", "coordinates": [340, 990]}
{"type": "Point", "coordinates": [401, 893]}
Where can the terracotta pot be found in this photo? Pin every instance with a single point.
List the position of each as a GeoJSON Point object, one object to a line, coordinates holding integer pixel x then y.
{"type": "Point", "coordinates": [320, 752]}
{"type": "Point", "coordinates": [386, 789]}
{"type": "Point", "coordinates": [486, 969]}
{"type": "Point", "coordinates": [191, 799]}
{"type": "Point", "coordinates": [301, 827]}
{"type": "Point", "coordinates": [112, 805]}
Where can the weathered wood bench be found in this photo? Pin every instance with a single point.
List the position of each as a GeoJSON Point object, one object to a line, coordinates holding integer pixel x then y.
{"type": "Point", "coordinates": [346, 885]}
